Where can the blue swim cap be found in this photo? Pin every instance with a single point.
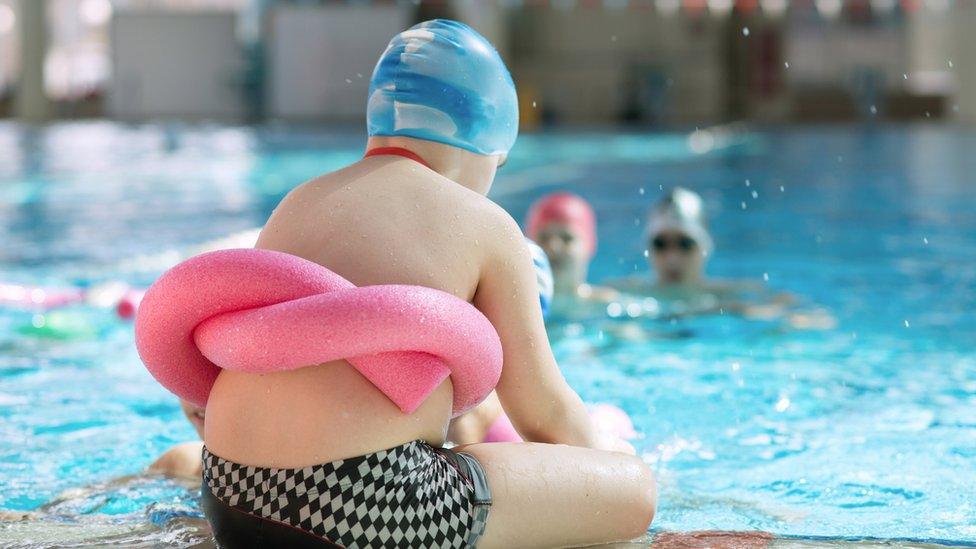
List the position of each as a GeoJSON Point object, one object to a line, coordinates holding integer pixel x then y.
{"type": "Point", "coordinates": [442, 81]}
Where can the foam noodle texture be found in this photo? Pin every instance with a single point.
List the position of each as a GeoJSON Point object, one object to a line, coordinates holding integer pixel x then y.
{"type": "Point", "coordinates": [606, 418]}
{"type": "Point", "coordinates": [260, 311]}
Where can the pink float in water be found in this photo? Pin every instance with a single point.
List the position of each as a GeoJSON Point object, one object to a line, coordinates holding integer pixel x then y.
{"type": "Point", "coordinates": [606, 417]}
{"type": "Point", "coordinates": [128, 305]}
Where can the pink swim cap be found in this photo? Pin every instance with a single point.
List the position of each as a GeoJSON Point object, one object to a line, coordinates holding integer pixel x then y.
{"type": "Point", "coordinates": [565, 208]}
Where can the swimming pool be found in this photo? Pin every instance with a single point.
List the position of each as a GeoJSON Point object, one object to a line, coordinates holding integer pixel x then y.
{"type": "Point", "coordinates": [867, 429]}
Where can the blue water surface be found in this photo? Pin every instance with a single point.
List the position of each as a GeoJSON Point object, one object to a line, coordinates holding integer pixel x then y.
{"type": "Point", "coordinates": [865, 429]}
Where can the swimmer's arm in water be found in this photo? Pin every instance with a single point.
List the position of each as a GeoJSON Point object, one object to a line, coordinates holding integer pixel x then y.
{"type": "Point", "coordinates": [532, 390]}
{"type": "Point", "coordinates": [182, 461]}
{"type": "Point", "coordinates": [769, 304]}
{"type": "Point", "coordinates": [597, 294]}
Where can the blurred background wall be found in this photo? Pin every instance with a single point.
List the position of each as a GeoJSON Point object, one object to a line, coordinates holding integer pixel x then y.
{"type": "Point", "coordinates": [653, 63]}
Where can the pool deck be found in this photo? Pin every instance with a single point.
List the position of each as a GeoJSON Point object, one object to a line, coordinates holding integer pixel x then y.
{"type": "Point", "coordinates": [710, 539]}
{"type": "Point", "coordinates": [193, 533]}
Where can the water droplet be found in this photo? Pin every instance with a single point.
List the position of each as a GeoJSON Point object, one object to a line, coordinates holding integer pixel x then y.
{"type": "Point", "coordinates": [533, 104]}
{"type": "Point", "coordinates": [950, 63]}
{"type": "Point", "coordinates": [782, 189]}
{"type": "Point", "coordinates": [925, 240]}
{"type": "Point", "coordinates": [786, 64]}
{"type": "Point", "coordinates": [647, 253]}
{"type": "Point", "coordinates": [743, 205]}
{"type": "Point", "coordinates": [782, 404]}
{"type": "Point", "coordinates": [874, 109]}
{"type": "Point", "coordinates": [745, 31]}
{"type": "Point", "coordinates": [755, 195]}
{"type": "Point", "coordinates": [766, 277]}
{"type": "Point", "coordinates": [640, 191]}
{"type": "Point", "coordinates": [906, 324]}
{"type": "Point", "coordinates": [748, 183]}
{"type": "Point", "coordinates": [348, 81]}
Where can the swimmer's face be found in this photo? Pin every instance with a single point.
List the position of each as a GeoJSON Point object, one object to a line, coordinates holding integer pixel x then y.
{"type": "Point", "coordinates": [676, 258]}
{"type": "Point", "coordinates": [195, 415]}
{"type": "Point", "coordinates": [564, 246]}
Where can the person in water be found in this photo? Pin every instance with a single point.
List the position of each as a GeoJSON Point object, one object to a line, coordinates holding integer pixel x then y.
{"type": "Point", "coordinates": [564, 226]}
{"type": "Point", "coordinates": [679, 245]}
{"type": "Point", "coordinates": [318, 455]}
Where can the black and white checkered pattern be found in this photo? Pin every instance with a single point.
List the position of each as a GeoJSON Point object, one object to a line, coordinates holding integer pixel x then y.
{"type": "Point", "coordinates": [407, 496]}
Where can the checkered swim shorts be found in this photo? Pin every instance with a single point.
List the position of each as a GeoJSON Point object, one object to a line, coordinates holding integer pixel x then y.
{"type": "Point", "coordinates": [412, 495]}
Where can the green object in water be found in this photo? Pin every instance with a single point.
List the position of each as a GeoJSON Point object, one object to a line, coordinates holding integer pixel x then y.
{"type": "Point", "coordinates": [59, 325]}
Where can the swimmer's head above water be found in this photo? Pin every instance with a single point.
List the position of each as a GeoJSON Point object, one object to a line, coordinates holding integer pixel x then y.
{"type": "Point", "coordinates": [677, 236]}
{"type": "Point", "coordinates": [564, 225]}
{"type": "Point", "coordinates": [441, 82]}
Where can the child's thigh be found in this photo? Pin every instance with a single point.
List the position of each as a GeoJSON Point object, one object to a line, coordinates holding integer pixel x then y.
{"type": "Point", "coordinates": [548, 495]}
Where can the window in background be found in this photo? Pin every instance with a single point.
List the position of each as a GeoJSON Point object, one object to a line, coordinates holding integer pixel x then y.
{"type": "Point", "coordinates": [9, 53]}
{"type": "Point", "coordinates": [78, 65]}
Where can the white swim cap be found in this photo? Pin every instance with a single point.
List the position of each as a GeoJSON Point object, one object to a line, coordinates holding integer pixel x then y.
{"type": "Point", "coordinates": [683, 211]}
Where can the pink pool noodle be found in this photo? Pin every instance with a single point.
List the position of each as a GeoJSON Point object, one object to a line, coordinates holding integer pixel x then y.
{"type": "Point", "coordinates": [606, 417]}
{"type": "Point", "coordinates": [261, 311]}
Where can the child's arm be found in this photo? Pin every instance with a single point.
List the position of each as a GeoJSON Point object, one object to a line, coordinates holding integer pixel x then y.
{"type": "Point", "coordinates": [532, 390]}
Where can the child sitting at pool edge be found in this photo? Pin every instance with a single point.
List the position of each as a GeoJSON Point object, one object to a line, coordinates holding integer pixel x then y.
{"type": "Point", "coordinates": [442, 116]}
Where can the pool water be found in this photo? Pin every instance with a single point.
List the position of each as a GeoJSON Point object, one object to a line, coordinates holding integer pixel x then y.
{"type": "Point", "coordinates": [863, 430]}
